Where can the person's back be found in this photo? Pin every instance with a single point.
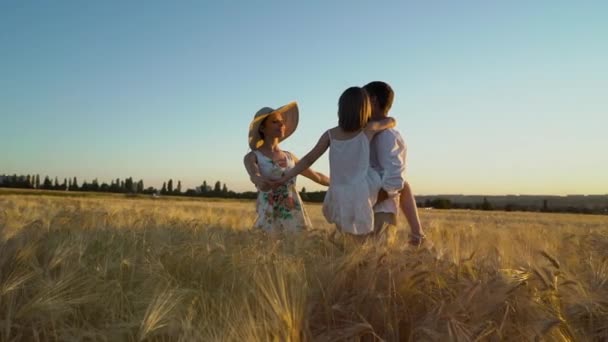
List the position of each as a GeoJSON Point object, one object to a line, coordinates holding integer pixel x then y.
{"type": "Point", "coordinates": [348, 159]}
{"type": "Point", "coordinates": [354, 185]}
{"type": "Point", "coordinates": [388, 158]}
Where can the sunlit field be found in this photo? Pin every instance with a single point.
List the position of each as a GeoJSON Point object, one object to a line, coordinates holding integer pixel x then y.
{"type": "Point", "coordinates": [128, 269]}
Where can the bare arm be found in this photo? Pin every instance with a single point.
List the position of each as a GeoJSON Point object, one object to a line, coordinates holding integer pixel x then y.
{"type": "Point", "coordinates": [374, 127]}
{"type": "Point", "coordinates": [251, 165]}
{"type": "Point", "coordinates": [308, 159]}
{"type": "Point", "coordinates": [313, 175]}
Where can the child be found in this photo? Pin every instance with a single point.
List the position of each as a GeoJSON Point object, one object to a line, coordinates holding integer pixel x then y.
{"type": "Point", "coordinates": [388, 158]}
{"type": "Point", "coordinates": [354, 186]}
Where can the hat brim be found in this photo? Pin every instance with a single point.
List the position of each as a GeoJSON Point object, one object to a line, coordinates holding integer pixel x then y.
{"type": "Point", "coordinates": [291, 116]}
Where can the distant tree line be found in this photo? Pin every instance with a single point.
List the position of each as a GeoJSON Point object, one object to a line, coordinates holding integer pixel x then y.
{"type": "Point", "coordinates": [126, 186]}
{"type": "Point", "coordinates": [118, 185]}
{"type": "Point", "coordinates": [317, 196]}
{"type": "Point", "coordinates": [220, 190]}
{"type": "Point", "coordinates": [444, 203]}
{"type": "Point", "coordinates": [543, 206]}
{"type": "Point", "coordinates": [129, 186]}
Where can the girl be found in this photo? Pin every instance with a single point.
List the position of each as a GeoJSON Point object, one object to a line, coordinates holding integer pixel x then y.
{"type": "Point", "coordinates": [354, 185]}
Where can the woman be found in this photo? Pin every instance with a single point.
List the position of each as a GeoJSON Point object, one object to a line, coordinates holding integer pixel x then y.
{"type": "Point", "coordinates": [279, 208]}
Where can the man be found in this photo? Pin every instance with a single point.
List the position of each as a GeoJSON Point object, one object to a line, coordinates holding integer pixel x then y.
{"type": "Point", "coordinates": [388, 157]}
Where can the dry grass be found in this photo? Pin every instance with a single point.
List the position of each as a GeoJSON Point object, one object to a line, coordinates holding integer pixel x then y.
{"type": "Point", "coordinates": [113, 269]}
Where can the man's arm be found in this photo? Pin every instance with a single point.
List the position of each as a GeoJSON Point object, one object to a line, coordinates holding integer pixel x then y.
{"type": "Point", "coordinates": [391, 153]}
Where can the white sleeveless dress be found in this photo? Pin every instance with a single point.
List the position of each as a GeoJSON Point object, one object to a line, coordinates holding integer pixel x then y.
{"type": "Point", "coordinates": [353, 187]}
{"type": "Point", "coordinates": [280, 209]}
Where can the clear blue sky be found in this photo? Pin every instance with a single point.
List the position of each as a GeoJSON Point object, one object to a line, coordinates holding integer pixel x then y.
{"type": "Point", "coordinates": [492, 98]}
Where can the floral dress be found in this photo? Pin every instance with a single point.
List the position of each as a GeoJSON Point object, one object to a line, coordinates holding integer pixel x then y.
{"type": "Point", "coordinates": [279, 209]}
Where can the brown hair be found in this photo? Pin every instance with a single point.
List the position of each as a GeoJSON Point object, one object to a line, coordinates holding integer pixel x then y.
{"type": "Point", "coordinates": [383, 93]}
{"type": "Point", "coordinates": [354, 109]}
{"type": "Point", "coordinates": [262, 125]}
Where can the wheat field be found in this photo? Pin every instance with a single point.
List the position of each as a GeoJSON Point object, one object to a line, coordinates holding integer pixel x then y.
{"type": "Point", "coordinates": [138, 269]}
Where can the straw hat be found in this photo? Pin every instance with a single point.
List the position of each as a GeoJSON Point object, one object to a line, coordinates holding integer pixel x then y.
{"type": "Point", "coordinates": [290, 117]}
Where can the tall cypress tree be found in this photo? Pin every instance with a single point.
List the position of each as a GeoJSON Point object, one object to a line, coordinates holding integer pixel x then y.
{"type": "Point", "coordinates": [47, 184]}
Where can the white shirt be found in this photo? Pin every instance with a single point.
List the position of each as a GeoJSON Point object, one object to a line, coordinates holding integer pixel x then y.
{"type": "Point", "coordinates": [387, 156]}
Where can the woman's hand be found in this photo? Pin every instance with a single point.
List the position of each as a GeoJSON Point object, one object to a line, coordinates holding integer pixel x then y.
{"type": "Point", "coordinates": [261, 183]}
{"type": "Point", "coordinates": [279, 182]}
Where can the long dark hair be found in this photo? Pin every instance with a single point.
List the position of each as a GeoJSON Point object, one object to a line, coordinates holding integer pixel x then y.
{"type": "Point", "coordinates": [354, 109]}
{"type": "Point", "coordinates": [262, 124]}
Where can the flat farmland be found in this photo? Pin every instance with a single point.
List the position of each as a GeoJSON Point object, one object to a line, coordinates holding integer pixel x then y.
{"type": "Point", "coordinates": [167, 269]}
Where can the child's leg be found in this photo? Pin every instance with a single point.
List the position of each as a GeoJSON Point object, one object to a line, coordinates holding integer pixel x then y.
{"type": "Point", "coordinates": [409, 209]}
